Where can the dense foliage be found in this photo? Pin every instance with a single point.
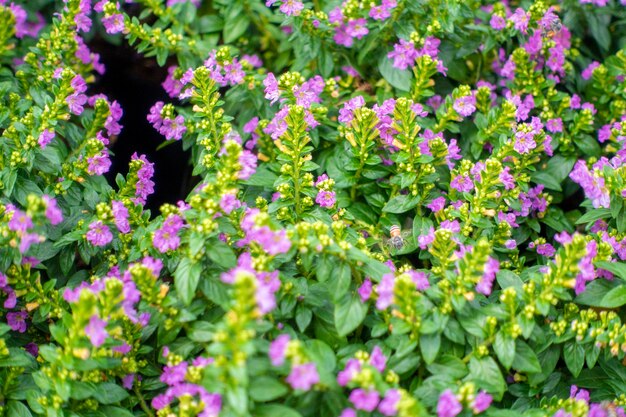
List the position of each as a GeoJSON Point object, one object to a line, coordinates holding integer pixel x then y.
{"type": "Point", "coordinates": [404, 207]}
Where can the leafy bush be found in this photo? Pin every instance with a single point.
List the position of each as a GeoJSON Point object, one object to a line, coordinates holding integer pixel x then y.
{"type": "Point", "coordinates": [402, 208]}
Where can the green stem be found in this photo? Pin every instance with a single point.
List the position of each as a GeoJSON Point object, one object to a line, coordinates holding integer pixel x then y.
{"type": "Point", "coordinates": [142, 402]}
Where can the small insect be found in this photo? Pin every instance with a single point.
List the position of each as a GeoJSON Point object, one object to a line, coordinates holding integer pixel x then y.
{"type": "Point", "coordinates": [553, 29]}
{"type": "Point", "coordinates": [396, 240]}
{"type": "Point", "coordinates": [610, 408]}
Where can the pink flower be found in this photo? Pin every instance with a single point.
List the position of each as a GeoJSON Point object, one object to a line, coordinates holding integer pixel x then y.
{"type": "Point", "coordinates": [96, 331]}
{"type": "Point", "coordinates": [45, 138]}
{"type": "Point", "coordinates": [53, 212]}
{"type": "Point", "coordinates": [403, 54]}
{"type": "Point", "coordinates": [17, 321]}
{"type": "Point", "coordinates": [448, 405]}
{"type": "Point", "coordinates": [99, 234]}
{"type": "Point", "coordinates": [389, 405]}
{"type": "Point", "coordinates": [462, 183]}
{"type": "Point", "coordinates": [482, 402]}
{"type": "Point", "coordinates": [465, 106]}
{"type": "Point", "coordinates": [364, 400]}
{"type": "Point", "coordinates": [277, 349]}
{"type": "Point", "coordinates": [303, 377]}
{"type": "Point", "coordinates": [378, 359]}
{"type": "Point", "coordinates": [291, 7]}
{"type": "Point", "coordinates": [365, 290]}
{"type": "Point", "coordinates": [325, 199]}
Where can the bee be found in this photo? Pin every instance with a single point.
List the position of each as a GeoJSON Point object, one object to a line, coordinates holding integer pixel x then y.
{"type": "Point", "coordinates": [396, 240]}
{"type": "Point", "coordinates": [610, 408]}
{"type": "Point", "coordinates": [553, 29]}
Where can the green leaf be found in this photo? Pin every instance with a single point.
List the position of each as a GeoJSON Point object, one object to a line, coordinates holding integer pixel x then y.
{"type": "Point", "coordinates": [339, 281]}
{"type": "Point", "coordinates": [593, 215]}
{"type": "Point", "coordinates": [504, 346]}
{"type": "Point", "coordinates": [485, 373]}
{"type": "Point", "coordinates": [429, 345]}
{"type": "Point", "coordinates": [222, 254]}
{"type": "Point", "coordinates": [110, 393]}
{"type": "Point", "coordinates": [17, 358]}
{"type": "Point", "coordinates": [617, 268]}
{"type": "Point", "coordinates": [186, 279]}
{"type": "Point", "coordinates": [265, 389]}
{"type": "Point", "coordinates": [400, 79]}
{"type": "Point", "coordinates": [401, 204]}
{"type": "Point", "coordinates": [110, 411]}
{"type": "Point", "coordinates": [275, 410]}
{"type": "Point", "coordinates": [17, 409]}
{"type": "Point", "coordinates": [574, 355]}
{"type": "Point", "coordinates": [525, 358]}
{"type": "Point", "coordinates": [594, 291]}
{"type": "Point", "coordinates": [236, 24]}
{"type": "Point", "coordinates": [349, 314]}
{"type": "Point", "coordinates": [303, 317]}
{"type": "Point", "coordinates": [614, 298]}
{"type": "Point", "coordinates": [322, 355]}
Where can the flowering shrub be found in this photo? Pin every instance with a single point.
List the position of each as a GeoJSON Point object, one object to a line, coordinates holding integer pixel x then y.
{"type": "Point", "coordinates": [403, 208]}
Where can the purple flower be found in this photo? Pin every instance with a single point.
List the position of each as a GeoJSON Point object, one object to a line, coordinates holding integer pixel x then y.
{"type": "Point", "coordinates": [389, 405]}
{"type": "Point", "coordinates": [272, 92]}
{"type": "Point", "coordinates": [491, 268]}
{"type": "Point", "coordinates": [588, 72]}
{"type": "Point", "coordinates": [403, 54]}
{"type": "Point", "coordinates": [482, 402]}
{"type": "Point", "coordinates": [524, 142]}
{"type": "Point", "coordinates": [76, 102]}
{"type": "Point", "coordinates": [229, 202]}
{"type": "Point", "coordinates": [348, 412]}
{"type": "Point", "coordinates": [166, 238]}
{"type": "Point", "coordinates": [120, 216]}
{"type": "Point", "coordinates": [325, 199]}
{"type": "Point", "coordinates": [427, 239]}
{"type": "Point", "coordinates": [364, 400]}
{"type": "Point", "coordinates": [144, 186]}
{"type": "Point", "coordinates": [99, 234]}
{"type": "Point", "coordinates": [378, 359]}
{"type": "Point", "coordinates": [248, 162]}
{"type": "Point", "coordinates": [45, 138]}
{"type": "Point", "coordinates": [96, 331]}
{"type": "Point", "coordinates": [520, 22]}
{"type": "Point", "coordinates": [303, 377]}
{"type": "Point", "coordinates": [173, 128]}
{"type": "Point", "coordinates": [497, 22]}
{"type": "Point", "coordinates": [53, 212]}
{"type": "Point", "coordinates": [437, 204]}
{"type": "Point", "coordinates": [554, 125]}
{"type": "Point", "coordinates": [175, 374]}
{"type": "Point", "coordinates": [462, 183]}
{"type": "Point", "coordinates": [465, 106]}
{"type": "Point", "coordinates": [420, 279]}
{"type": "Point", "coordinates": [507, 179]}
{"type": "Point", "coordinates": [99, 164]}
{"type": "Point", "coordinates": [385, 291]}
{"type": "Point", "coordinates": [277, 349]}
{"type": "Point", "coordinates": [114, 23]}
{"type": "Point", "coordinates": [127, 381]}
{"type": "Point", "coordinates": [357, 28]}
{"type": "Point", "coordinates": [365, 290]}
{"type": "Point", "coordinates": [291, 7]}
{"type": "Point", "coordinates": [32, 348]}
{"type": "Point", "coordinates": [17, 321]}
{"type": "Point", "coordinates": [346, 112]}
{"type": "Point", "coordinates": [20, 221]}
{"type": "Point", "coordinates": [448, 405]}
{"type": "Point", "coordinates": [546, 249]}
{"type": "Point", "coordinates": [353, 366]}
